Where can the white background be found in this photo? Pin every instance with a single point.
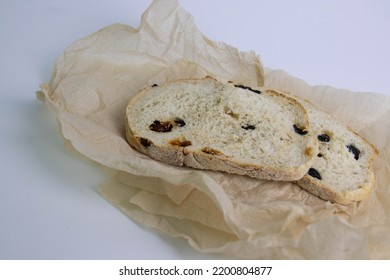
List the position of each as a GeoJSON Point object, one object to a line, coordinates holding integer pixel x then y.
{"type": "Point", "coordinates": [49, 207]}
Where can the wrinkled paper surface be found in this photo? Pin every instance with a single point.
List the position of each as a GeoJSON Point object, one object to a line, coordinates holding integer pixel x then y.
{"type": "Point", "coordinates": [238, 216]}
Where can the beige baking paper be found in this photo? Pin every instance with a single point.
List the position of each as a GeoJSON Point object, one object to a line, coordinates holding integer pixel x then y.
{"type": "Point", "coordinates": [233, 215]}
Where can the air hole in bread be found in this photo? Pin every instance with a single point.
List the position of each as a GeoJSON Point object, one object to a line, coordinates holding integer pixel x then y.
{"type": "Point", "coordinates": [314, 173]}
{"type": "Point", "coordinates": [179, 122]}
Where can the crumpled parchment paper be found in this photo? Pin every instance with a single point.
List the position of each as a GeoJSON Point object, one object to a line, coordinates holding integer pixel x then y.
{"type": "Point", "coordinates": [238, 216]}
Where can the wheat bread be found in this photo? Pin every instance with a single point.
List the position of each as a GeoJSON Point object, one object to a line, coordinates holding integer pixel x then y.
{"type": "Point", "coordinates": [343, 172]}
{"type": "Point", "coordinates": [206, 124]}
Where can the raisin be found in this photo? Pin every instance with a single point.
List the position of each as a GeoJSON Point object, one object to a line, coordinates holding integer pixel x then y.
{"type": "Point", "coordinates": [308, 151]}
{"type": "Point", "coordinates": [314, 173]}
{"type": "Point", "coordinates": [248, 88]}
{"type": "Point", "coordinates": [320, 155]}
{"type": "Point", "coordinates": [211, 151]}
{"type": "Point", "coordinates": [248, 126]}
{"type": "Point", "coordinates": [299, 130]}
{"type": "Point", "coordinates": [145, 142]}
{"type": "Point", "coordinates": [155, 85]}
{"type": "Point", "coordinates": [179, 122]}
{"type": "Point", "coordinates": [255, 90]}
{"type": "Point", "coordinates": [323, 137]}
{"type": "Point", "coordinates": [180, 142]}
{"type": "Point", "coordinates": [355, 151]}
{"type": "Point", "coordinates": [161, 126]}
{"type": "Point", "coordinates": [241, 86]}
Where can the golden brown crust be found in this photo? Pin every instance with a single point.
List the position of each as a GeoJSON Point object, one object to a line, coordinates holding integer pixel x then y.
{"type": "Point", "coordinates": [323, 191]}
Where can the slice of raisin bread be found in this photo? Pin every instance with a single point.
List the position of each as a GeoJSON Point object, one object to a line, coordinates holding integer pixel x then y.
{"type": "Point", "coordinates": [343, 172]}
{"type": "Point", "coordinates": [206, 124]}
